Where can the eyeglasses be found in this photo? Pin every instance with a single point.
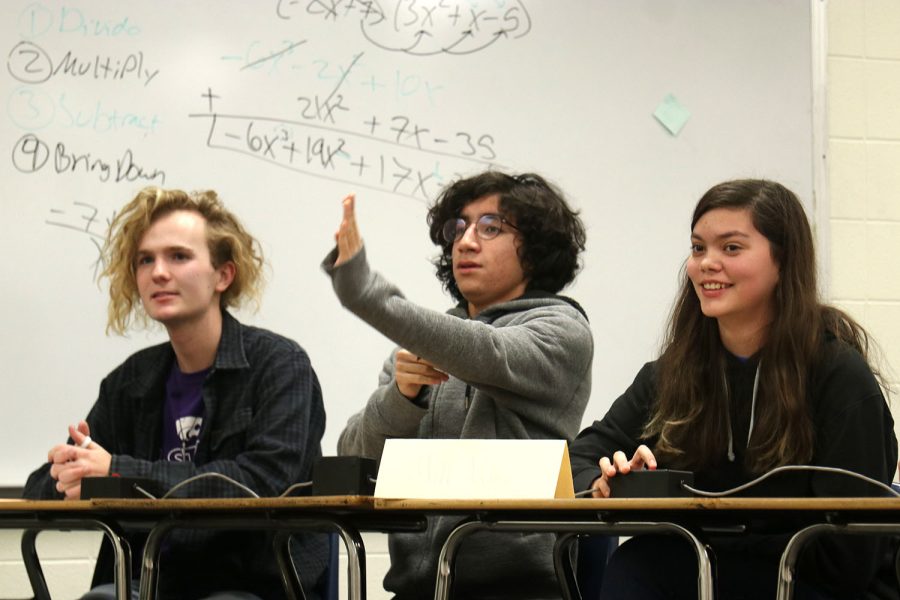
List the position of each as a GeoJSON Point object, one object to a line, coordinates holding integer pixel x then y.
{"type": "Point", "coordinates": [487, 227]}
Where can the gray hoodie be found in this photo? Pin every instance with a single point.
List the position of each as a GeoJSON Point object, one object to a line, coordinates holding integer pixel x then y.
{"type": "Point", "coordinates": [519, 370]}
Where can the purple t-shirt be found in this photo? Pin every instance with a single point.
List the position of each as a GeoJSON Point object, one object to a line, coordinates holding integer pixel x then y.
{"type": "Point", "coordinates": [182, 414]}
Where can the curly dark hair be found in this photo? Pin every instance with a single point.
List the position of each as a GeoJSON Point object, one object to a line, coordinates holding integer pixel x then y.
{"type": "Point", "coordinates": [552, 233]}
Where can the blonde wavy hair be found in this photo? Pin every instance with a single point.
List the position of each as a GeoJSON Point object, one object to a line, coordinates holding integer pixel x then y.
{"type": "Point", "coordinates": [226, 238]}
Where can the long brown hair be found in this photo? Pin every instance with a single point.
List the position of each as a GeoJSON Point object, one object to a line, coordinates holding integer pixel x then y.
{"type": "Point", "coordinates": [691, 413]}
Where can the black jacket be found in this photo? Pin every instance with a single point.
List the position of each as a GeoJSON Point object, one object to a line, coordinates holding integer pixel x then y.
{"type": "Point", "coordinates": [853, 429]}
{"type": "Point", "coordinates": [264, 420]}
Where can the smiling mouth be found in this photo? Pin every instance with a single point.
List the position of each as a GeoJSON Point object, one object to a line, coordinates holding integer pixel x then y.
{"type": "Point", "coordinates": [713, 285]}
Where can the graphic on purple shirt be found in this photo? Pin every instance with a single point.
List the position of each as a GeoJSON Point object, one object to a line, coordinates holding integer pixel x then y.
{"type": "Point", "coordinates": [182, 414]}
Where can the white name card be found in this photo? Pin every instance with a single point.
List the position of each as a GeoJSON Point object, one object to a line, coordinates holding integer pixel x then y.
{"type": "Point", "coordinates": [475, 469]}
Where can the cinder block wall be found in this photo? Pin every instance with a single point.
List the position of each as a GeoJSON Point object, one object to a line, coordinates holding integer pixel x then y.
{"type": "Point", "coordinates": [864, 170]}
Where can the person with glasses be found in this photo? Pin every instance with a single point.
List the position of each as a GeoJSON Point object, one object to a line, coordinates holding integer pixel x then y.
{"type": "Point", "coordinates": [511, 360]}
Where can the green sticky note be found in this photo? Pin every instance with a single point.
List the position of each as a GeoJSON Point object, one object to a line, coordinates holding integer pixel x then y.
{"type": "Point", "coordinates": [672, 114]}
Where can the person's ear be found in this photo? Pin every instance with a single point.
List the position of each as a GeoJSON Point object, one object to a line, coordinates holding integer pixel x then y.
{"type": "Point", "coordinates": [226, 272]}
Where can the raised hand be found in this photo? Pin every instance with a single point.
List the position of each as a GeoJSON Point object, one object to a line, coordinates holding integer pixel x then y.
{"type": "Point", "coordinates": [347, 238]}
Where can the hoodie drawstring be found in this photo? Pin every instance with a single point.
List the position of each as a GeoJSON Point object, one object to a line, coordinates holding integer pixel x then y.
{"type": "Point", "coordinates": [752, 414]}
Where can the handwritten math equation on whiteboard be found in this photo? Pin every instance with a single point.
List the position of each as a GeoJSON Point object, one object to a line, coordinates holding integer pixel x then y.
{"type": "Point", "coordinates": [91, 95]}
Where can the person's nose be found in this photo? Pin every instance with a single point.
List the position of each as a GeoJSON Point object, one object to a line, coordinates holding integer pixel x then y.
{"type": "Point", "coordinates": [160, 270]}
{"type": "Point", "coordinates": [710, 262]}
{"type": "Point", "coordinates": [469, 241]}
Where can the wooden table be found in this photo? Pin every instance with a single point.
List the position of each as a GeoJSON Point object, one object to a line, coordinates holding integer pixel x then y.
{"type": "Point", "coordinates": [348, 515]}
{"type": "Point", "coordinates": [681, 516]}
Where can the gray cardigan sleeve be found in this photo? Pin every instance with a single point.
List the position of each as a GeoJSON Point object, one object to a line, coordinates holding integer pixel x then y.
{"type": "Point", "coordinates": [388, 413]}
{"type": "Point", "coordinates": [543, 356]}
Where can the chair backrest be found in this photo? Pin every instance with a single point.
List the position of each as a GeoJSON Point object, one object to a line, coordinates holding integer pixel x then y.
{"type": "Point", "coordinates": [33, 565]}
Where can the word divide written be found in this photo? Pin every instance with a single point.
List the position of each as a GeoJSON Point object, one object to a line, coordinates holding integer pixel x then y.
{"type": "Point", "coordinates": [38, 19]}
{"type": "Point", "coordinates": [408, 160]}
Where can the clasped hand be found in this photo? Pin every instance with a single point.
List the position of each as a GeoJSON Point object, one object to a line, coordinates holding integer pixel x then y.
{"type": "Point", "coordinates": [620, 465]}
{"type": "Point", "coordinates": [412, 372]}
{"type": "Point", "coordinates": [70, 463]}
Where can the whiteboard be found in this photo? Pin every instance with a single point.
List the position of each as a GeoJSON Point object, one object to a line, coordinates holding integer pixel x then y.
{"type": "Point", "coordinates": [284, 106]}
